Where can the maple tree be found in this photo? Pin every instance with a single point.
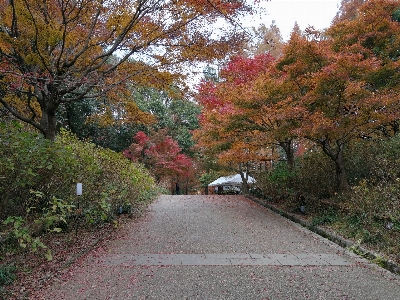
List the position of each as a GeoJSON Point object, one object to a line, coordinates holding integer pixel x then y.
{"type": "Point", "coordinates": [269, 111]}
{"type": "Point", "coordinates": [345, 94]}
{"type": "Point", "coordinates": [348, 10]}
{"type": "Point", "coordinates": [57, 52]}
{"type": "Point", "coordinates": [376, 33]}
{"type": "Point", "coordinates": [331, 88]}
{"type": "Point", "coordinates": [323, 79]}
{"type": "Point", "coordinates": [226, 123]}
{"type": "Point", "coordinates": [160, 154]}
{"type": "Point", "coordinates": [247, 116]}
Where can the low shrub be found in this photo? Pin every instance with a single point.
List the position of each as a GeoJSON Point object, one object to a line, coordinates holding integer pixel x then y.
{"type": "Point", "coordinates": [38, 182]}
{"type": "Point", "coordinates": [328, 217]}
{"type": "Point", "coordinates": [275, 183]}
{"type": "Point", "coordinates": [311, 181]}
{"type": "Point", "coordinates": [314, 175]}
{"type": "Point", "coordinates": [7, 274]}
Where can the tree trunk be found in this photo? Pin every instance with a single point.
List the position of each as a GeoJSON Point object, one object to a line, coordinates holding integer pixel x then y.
{"type": "Point", "coordinates": [49, 124]}
{"type": "Point", "coordinates": [336, 155]}
{"type": "Point", "coordinates": [289, 151]}
{"type": "Point", "coordinates": [48, 105]}
{"type": "Point", "coordinates": [245, 186]}
{"type": "Point", "coordinates": [342, 183]}
{"type": "Point", "coordinates": [243, 170]}
{"type": "Point", "coordinates": [50, 121]}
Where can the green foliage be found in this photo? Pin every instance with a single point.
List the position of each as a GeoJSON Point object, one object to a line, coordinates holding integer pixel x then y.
{"type": "Point", "coordinates": [360, 161]}
{"type": "Point", "coordinates": [22, 234]}
{"type": "Point", "coordinates": [29, 162]}
{"type": "Point", "coordinates": [206, 178]}
{"type": "Point", "coordinates": [7, 274]}
{"type": "Point", "coordinates": [179, 117]}
{"type": "Point", "coordinates": [109, 180]}
{"type": "Point", "coordinates": [101, 212]}
{"type": "Point", "coordinates": [314, 175]}
{"type": "Point", "coordinates": [355, 248]}
{"type": "Point", "coordinates": [55, 214]}
{"type": "Point", "coordinates": [74, 116]}
{"type": "Point", "coordinates": [276, 183]}
{"type": "Point", "coordinates": [327, 217]}
{"type": "Point", "coordinates": [373, 160]}
{"type": "Point", "coordinates": [281, 173]}
{"type": "Point", "coordinates": [378, 202]}
{"type": "Point", "coordinates": [396, 15]}
{"type": "Point", "coordinates": [369, 213]}
{"type": "Point", "coordinates": [376, 192]}
{"type": "Point", "coordinates": [380, 261]}
{"type": "Point", "coordinates": [311, 180]}
{"type": "Point", "coordinates": [38, 184]}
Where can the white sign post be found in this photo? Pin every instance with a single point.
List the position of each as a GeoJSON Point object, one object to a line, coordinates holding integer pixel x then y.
{"type": "Point", "coordinates": [77, 216]}
{"type": "Point", "coordinates": [79, 189]}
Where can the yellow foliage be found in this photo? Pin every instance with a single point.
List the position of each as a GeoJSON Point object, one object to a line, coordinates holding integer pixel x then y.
{"type": "Point", "coordinates": [4, 42]}
{"type": "Point", "coordinates": [20, 104]}
{"type": "Point", "coordinates": [135, 115]}
{"type": "Point", "coordinates": [123, 113]}
{"type": "Point", "coordinates": [103, 119]}
{"type": "Point", "coordinates": [33, 59]}
{"type": "Point", "coordinates": [73, 50]}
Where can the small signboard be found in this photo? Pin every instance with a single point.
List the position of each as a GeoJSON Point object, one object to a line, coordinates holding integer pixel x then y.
{"type": "Point", "coordinates": [79, 189]}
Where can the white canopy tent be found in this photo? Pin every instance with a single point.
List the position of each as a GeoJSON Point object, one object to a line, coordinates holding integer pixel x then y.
{"type": "Point", "coordinates": [232, 180]}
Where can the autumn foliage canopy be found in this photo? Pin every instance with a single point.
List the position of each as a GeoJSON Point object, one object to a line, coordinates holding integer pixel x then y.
{"type": "Point", "coordinates": [58, 51]}
{"type": "Point", "coordinates": [161, 154]}
{"type": "Point", "coordinates": [326, 89]}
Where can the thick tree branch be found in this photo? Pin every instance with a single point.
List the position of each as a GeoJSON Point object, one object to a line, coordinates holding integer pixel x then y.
{"type": "Point", "coordinates": [21, 117]}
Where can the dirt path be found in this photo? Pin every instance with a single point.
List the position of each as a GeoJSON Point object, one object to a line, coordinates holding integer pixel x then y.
{"type": "Point", "coordinates": [220, 247]}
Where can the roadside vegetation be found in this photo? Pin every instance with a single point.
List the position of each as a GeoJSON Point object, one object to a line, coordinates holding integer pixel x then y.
{"type": "Point", "coordinates": [368, 214]}
{"type": "Point", "coordinates": [39, 198]}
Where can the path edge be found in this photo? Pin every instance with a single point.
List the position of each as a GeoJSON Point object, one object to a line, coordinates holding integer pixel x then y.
{"type": "Point", "coordinates": [333, 237]}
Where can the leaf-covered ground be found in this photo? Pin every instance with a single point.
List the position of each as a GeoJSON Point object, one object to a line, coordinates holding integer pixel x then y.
{"type": "Point", "coordinates": [34, 272]}
{"type": "Point", "coordinates": [373, 237]}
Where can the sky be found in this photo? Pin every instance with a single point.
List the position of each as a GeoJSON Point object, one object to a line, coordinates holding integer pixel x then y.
{"type": "Point", "coordinates": [317, 13]}
{"type": "Point", "coordinates": [286, 12]}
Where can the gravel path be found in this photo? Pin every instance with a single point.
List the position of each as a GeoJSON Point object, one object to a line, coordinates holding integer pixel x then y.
{"type": "Point", "coordinates": [220, 247]}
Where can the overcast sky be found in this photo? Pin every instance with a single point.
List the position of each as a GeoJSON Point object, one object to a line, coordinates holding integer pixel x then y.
{"type": "Point", "coordinates": [318, 13]}
{"type": "Point", "coordinates": [286, 12]}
